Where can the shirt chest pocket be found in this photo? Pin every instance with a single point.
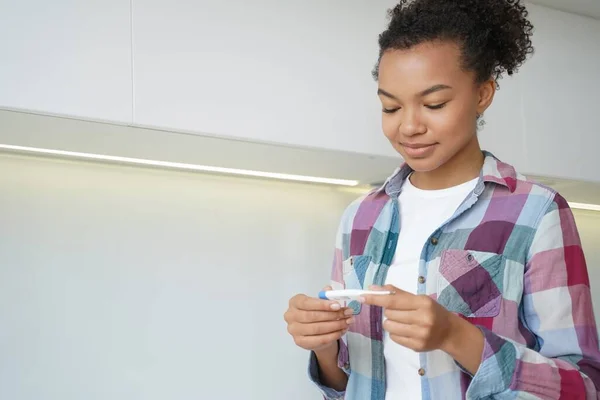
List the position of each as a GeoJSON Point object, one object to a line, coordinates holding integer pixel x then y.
{"type": "Point", "coordinates": [471, 283]}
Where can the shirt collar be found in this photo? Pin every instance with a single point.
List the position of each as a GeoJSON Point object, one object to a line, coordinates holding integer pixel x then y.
{"type": "Point", "coordinates": [493, 171]}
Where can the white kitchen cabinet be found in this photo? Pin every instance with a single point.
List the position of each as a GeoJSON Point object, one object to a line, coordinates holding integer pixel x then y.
{"type": "Point", "coordinates": [502, 133]}
{"type": "Point", "coordinates": [279, 72]}
{"type": "Point", "coordinates": [560, 87]}
{"type": "Point", "coordinates": [67, 57]}
{"type": "Point", "coordinates": [293, 73]}
{"type": "Point", "coordinates": [284, 73]}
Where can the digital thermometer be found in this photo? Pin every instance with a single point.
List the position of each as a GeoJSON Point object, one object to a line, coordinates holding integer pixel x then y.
{"type": "Point", "coordinates": [351, 294]}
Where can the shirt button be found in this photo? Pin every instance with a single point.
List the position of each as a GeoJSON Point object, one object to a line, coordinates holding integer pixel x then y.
{"type": "Point", "coordinates": [434, 241]}
{"type": "Point", "coordinates": [346, 365]}
{"type": "Point", "coordinates": [421, 279]}
{"type": "Point", "coordinates": [421, 371]}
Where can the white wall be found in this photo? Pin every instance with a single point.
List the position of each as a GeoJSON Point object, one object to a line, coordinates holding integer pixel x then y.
{"type": "Point", "coordinates": [588, 223]}
{"type": "Point", "coordinates": [131, 284]}
{"type": "Point", "coordinates": [136, 284]}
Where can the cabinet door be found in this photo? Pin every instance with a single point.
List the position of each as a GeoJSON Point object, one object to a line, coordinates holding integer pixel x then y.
{"type": "Point", "coordinates": [502, 133]}
{"type": "Point", "coordinates": [67, 57]}
{"type": "Point", "coordinates": [560, 96]}
{"type": "Point", "coordinates": [292, 72]}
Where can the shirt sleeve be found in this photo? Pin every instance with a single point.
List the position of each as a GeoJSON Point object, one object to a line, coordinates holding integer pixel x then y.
{"type": "Point", "coordinates": [557, 308]}
{"type": "Point", "coordinates": [337, 282]}
{"type": "Point", "coordinates": [327, 392]}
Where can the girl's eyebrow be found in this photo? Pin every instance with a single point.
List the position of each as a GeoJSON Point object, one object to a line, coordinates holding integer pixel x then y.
{"type": "Point", "coordinates": [426, 92]}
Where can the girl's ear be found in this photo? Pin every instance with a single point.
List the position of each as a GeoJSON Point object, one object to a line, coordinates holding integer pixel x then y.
{"type": "Point", "coordinates": [486, 92]}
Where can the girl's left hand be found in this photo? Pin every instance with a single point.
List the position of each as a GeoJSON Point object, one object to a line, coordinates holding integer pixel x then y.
{"type": "Point", "coordinates": [414, 321]}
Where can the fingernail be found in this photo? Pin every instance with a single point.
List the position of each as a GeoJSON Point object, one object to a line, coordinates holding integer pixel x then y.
{"type": "Point", "coordinates": [350, 321]}
{"type": "Point", "coordinates": [349, 312]}
{"type": "Point", "coordinates": [374, 287]}
{"type": "Point", "coordinates": [335, 306]}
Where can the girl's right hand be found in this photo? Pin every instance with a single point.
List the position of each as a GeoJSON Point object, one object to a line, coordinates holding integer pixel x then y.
{"type": "Point", "coordinates": [316, 324]}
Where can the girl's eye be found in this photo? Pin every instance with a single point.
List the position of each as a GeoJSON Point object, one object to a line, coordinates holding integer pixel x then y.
{"type": "Point", "coordinates": [390, 110]}
{"type": "Point", "coordinates": [437, 106]}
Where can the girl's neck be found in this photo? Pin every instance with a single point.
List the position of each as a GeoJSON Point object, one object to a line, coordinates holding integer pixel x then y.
{"type": "Point", "coordinates": [463, 167]}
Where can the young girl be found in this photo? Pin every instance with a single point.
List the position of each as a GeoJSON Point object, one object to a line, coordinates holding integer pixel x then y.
{"type": "Point", "coordinates": [491, 291]}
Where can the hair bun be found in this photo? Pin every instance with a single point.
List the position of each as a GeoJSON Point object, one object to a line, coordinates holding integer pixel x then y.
{"type": "Point", "coordinates": [495, 35]}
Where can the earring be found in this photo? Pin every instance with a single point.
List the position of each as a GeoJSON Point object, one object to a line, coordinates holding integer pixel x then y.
{"type": "Point", "coordinates": [480, 121]}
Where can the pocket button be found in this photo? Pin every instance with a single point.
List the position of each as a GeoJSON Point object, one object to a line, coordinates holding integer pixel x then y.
{"type": "Point", "coordinates": [470, 258]}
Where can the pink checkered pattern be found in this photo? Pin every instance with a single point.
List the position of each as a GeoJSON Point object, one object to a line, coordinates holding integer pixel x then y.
{"type": "Point", "coordinates": [509, 261]}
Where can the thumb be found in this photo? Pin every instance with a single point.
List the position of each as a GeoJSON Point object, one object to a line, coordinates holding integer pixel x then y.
{"type": "Point", "coordinates": [341, 303]}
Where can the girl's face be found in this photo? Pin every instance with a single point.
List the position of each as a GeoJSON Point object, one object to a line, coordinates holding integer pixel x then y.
{"type": "Point", "coordinates": [430, 104]}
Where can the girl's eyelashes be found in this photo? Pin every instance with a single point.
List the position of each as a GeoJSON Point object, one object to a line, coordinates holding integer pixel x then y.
{"type": "Point", "coordinates": [437, 106]}
{"type": "Point", "coordinates": [431, 107]}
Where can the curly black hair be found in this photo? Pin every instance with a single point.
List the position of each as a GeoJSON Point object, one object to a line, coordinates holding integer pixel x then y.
{"type": "Point", "coordinates": [495, 35]}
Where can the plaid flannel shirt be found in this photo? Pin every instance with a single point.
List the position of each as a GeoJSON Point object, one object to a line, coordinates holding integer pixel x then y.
{"type": "Point", "coordinates": [509, 261]}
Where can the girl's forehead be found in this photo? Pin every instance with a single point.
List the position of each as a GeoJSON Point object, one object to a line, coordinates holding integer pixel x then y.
{"type": "Point", "coordinates": [422, 65]}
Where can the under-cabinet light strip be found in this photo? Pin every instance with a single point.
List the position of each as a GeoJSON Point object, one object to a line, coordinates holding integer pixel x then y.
{"type": "Point", "coordinates": [584, 206]}
{"type": "Point", "coordinates": [211, 169]}
{"type": "Point", "coordinates": [180, 166]}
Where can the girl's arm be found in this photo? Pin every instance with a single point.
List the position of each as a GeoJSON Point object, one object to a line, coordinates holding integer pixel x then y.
{"type": "Point", "coordinates": [557, 308]}
{"type": "Point", "coordinates": [324, 370]}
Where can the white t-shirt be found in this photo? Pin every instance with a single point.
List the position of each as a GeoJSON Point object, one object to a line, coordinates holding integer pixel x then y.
{"type": "Point", "coordinates": [421, 213]}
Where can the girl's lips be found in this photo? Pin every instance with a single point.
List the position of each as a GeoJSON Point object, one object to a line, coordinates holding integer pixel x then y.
{"type": "Point", "coordinates": [418, 150]}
